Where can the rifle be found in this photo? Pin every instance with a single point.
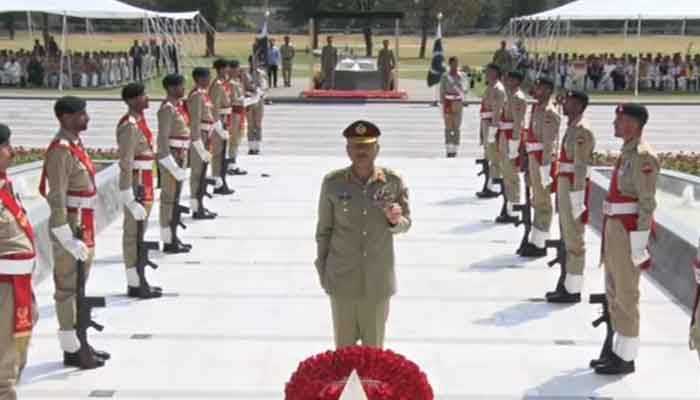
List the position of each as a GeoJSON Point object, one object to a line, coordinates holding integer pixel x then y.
{"type": "Point", "coordinates": [225, 162]}
{"type": "Point", "coordinates": [142, 246]}
{"type": "Point", "coordinates": [560, 258]}
{"type": "Point", "coordinates": [83, 309]}
{"type": "Point", "coordinates": [502, 185]}
{"type": "Point", "coordinates": [204, 181]}
{"type": "Point", "coordinates": [178, 210]}
{"type": "Point", "coordinates": [485, 171]}
{"type": "Point", "coordinates": [604, 318]}
{"type": "Point", "coordinates": [525, 209]}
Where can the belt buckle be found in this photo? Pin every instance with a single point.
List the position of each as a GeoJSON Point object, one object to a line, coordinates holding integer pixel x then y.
{"type": "Point", "coordinates": [607, 207]}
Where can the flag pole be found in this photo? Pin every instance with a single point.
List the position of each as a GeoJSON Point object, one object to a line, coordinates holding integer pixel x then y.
{"type": "Point", "coordinates": [438, 35]}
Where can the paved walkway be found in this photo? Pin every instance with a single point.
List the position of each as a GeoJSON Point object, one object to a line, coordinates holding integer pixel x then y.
{"type": "Point", "coordinates": [244, 308]}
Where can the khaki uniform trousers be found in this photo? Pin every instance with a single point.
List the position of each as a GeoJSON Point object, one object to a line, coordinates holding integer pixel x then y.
{"type": "Point", "coordinates": [386, 79]}
{"type": "Point", "coordinates": [235, 136]}
{"type": "Point", "coordinates": [328, 79]}
{"type": "Point", "coordinates": [65, 278]}
{"type": "Point", "coordinates": [453, 123]}
{"type": "Point", "coordinates": [287, 72]}
{"type": "Point", "coordinates": [621, 280]}
{"type": "Point", "coordinates": [541, 197]}
{"type": "Point", "coordinates": [361, 320]}
{"type": "Point", "coordinates": [129, 239]}
{"type": "Point", "coordinates": [572, 230]}
{"type": "Point", "coordinates": [217, 155]}
{"type": "Point", "coordinates": [168, 185]}
{"type": "Point", "coordinates": [511, 179]}
{"type": "Point", "coordinates": [11, 361]}
{"type": "Point", "coordinates": [255, 117]}
{"type": "Point", "coordinates": [196, 168]}
{"type": "Point", "coordinates": [491, 151]}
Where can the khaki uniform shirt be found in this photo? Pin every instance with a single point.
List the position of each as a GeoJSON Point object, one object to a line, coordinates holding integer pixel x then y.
{"type": "Point", "coordinates": [201, 112]}
{"type": "Point", "coordinates": [64, 172]}
{"type": "Point", "coordinates": [386, 60]}
{"type": "Point", "coordinates": [579, 142]}
{"type": "Point", "coordinates": [219, 97]}
{"type": "Point", "coordinates": [494, 99]}
{"type": "Point", "coordinates": [13, 239]}
{"type": "Point", "coordinates": [545, 127]}
{"type": "Point", "coordinates": [329, 58]}
{"type": "Point", "coordinates": [503, 59]}
{"type": "Point", "coordinates": [287, 52]}
{"type": "Point", "coordinates": [514, 110]}
{"type": "Point", "coordinates": [171, 124]}
{"type": "Point", "coordinates": [131, 143]}
{"type": "Point", "coordinates": [355, 243]}
{"type": "Point", "coordinates": [453, 86]}
{"type": "Point", "coordinates": [237, 94]}
{"type": "Point", "coordinates": [639, 169]}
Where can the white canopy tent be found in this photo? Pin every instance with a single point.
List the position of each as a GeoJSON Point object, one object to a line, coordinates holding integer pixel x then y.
{"type": "Point", "coordinates": [607, 10]}
{"type": "Point", "coordinates": [171, 27]}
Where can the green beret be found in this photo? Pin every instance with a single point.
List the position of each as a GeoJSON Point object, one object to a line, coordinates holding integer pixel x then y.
{"type": "Point", "coordinates": [4, 134]}
{"type": "Point", "coordinates": [68, 105]}
{"type": "Point", "coordinates": [362, 132]}
{"type": "Point", "coordinates": [545, 80]}
{"type": "Point", "coordinates": [634, 110]}
{"type": "Point", "coordinates": [234, 64]}
{"type": "Point", "coordinates": [133, 90]}
{"type": "Point", "coordinates": [517, 75]}
{"type": "Point", "coordinates": [579, 95]}
{"type": "Point", "coordinates": [220, 63]}
{"type": "Point", "coordinates": [171, 80]}
{"type": "Point", "coordinates": [200, 72]}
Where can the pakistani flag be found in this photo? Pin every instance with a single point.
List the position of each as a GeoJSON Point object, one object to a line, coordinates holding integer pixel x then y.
{"type": "Point", "coordinates": [436, 65]}
{"type": "Point", "coordinates": [260, 47]}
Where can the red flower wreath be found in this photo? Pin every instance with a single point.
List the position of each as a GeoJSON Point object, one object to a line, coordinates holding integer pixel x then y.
{"type": "Point", "coordinates": [385, 375]}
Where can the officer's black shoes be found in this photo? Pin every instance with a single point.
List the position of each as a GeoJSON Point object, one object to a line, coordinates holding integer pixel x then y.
{"type": "Point", "coordinates": [176, 248]}
{"type": "Point", "coordinates": [83, 359]}
{"type": "Point", "coordinates": [451, 155]}
{"type": "Point", "coordinates": [203, 213]}
{"type": "Point", "coordinates": [604, 358]}
{"type": "Point", "coordinates": [615, 366]}
{"type": "Point", "coordinates": [102, 355]}
{"type": "Point", "coordinates": [237, 171]}
{"type": "Point", "coordinates": [251, 152]}
{"type": "Point", "coordinates": [145, 292]}
{"type": "Point", "coordinates": [563, 297]}
{"type": "Point", "coordinates": [224, 190]}
{"type": "Point", "coordinates": [506, 219]}
{"type": "Point", "coordinates": [487, 194]}
{"type": "Point", "coordinates": [532, 251]}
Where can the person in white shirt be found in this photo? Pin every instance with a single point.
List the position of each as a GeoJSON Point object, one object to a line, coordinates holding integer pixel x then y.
{"type": "Point", "coordinates": [13, 72]}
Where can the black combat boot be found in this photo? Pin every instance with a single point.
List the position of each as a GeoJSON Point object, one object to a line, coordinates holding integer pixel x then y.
{"type": "Point", "coordinates": [562, 296]}
{"type": "Point", "coordinates": [84, 358]}
{"type": "Point", "coordinates": [615, 366]}
{"type": "Point", "coordinates": [532, 251]}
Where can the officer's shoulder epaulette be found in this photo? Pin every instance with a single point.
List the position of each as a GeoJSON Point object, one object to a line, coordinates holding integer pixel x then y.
{"type": "Point", "coordinates": [645, 151]}
{"type": "Point", "coordinates": [335, 174]}
{"type": "Point", "coordinates": [390, 173]}
{"type": "Point", "coordinates": [128, 120]}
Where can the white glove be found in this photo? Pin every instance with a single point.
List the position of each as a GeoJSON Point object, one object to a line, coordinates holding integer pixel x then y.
{"type": "Point", "coordinates": [513, 149]}
{"type": "Point", "coordinates": [491, 134]}
{"type": "Point", "coordinates": [544, 175]}
{"type": "Point", "coordinates": [127, 199]}
{"type": "Point", "coordinates": [638, 247]}
{"type": "Point", "coordinates": [180, 174]}
{"type": "Point", "coordinates": [75, 247]}
{"type": "Point", "coordinates": [578, 205]}
{"type": "Point", "coordinates": [220, 130]}
{"type": "Point", "coordinates": [203, 153]}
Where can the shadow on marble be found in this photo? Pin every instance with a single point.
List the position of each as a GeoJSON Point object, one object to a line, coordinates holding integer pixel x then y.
{"type": "Point", "coordinates": [46, 371]}
{"type": "Point", "coordinates": [468, 229]}
{"type": "Point", "coordinates": [578, 383]}
{"type": "Point", "coordinates": [497, 263]}
{"type": "Point", "coordinates": [521, 313]}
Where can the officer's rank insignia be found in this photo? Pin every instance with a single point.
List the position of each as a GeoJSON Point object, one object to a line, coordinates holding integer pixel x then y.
{"type": "Point", "coordinates": [360, 129]}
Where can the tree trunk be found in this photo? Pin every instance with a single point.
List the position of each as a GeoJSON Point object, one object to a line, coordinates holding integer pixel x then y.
{"type": "Point", "coordinates": [11, 25]}
{"type": "Point", "coordinates": [367, 33]}
{"type": "Point", "coordinates": [211, 43]}
{"type": "Point", "coordinates": [424, 33]}
{"type": "Point", "coordinates": [317, 30]}
{"type": "Point", "coordinates": [45, 29]}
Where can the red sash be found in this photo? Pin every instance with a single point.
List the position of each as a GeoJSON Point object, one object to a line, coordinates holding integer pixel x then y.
{"type": "Point", "coordinates": [539, 154]}
{"type": "Point", "coordinates": [146, 175]}
{"type": "Point", "coordinates": [21, 284]}
{"type": "Point", "coordinates": [564, 158]}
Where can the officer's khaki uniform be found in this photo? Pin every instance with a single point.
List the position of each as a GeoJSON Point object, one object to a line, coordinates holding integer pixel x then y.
{"type": "Point", "coordinates": [511, 124]}
{"type": "Point", "coordinates": [504, 60]}
{"type": "Point", "coordinates": [544, 127]}
{"type": "Point", "coordinates": [491, 108]}
{"type": "Point", "coordinates": [288, 53]}
{"type": "Point", "coordinates": [256, 86]}
{"type": "Point", "coordinates": [236, 129]}
{"type": "Point", "coordinates": [329, 60]}
{"type": "Point", "coordinates": [13, 350]}
{"type": "Point", "coordinates": [221, 101]}
{"type": "Point", "coordinates": [135, 160]}
{"type": "Point", "coordinates": [635, 174]}
{"type": "Point", "coordinates": [173, 140]}
{"type": "Point", "coordinates": [386, 64]}
{"type": "Point", "coordinates": [355, 248]}
{"type": "Point", "coordinates": [64, 173]}
{"type": "Point", "coordinates": [452, 92]}
{"type": "Point", "coordinates": [575, 162]}
{"type": "Point", "coordinates": [201, 111]}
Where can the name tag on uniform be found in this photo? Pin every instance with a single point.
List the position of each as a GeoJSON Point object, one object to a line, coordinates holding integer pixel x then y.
{"type": "Point", "coordinates": [344, 196]}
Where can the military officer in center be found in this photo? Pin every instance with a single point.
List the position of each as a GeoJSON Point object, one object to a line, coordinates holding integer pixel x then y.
{"type": "Point", "coordinates": [220, 93]}
{"type": "Point", "coordinates": [628, 222]}
{"type": "Point", "coordinates": [18, 313]}
{"type": "Point", "coordinates": [329, 60]}
{"type": "Point", "coordinates": [491, 108]}
{"type": "Point", "coordinates": [573, 189]}
{"type": "Point", "coordinates": [453, 89]}
{"type": "Point", "coordinates": [360, 209]}
{"type": "Point", "coordinates": [386, 63]}
{"type": "Point", "coordinates": [135, 144]}
{"type": "Point", "coordinates": [237, 126]}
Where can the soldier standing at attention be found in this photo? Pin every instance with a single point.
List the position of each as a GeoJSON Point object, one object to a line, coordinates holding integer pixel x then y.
{"type": "Point", "coordinates": [173, 146]}
{"type": "Point", "coordinates": [136, 156]}
{"type": "Point", "coordinates": [628, 219]}
{"type": "Point", "coordinates": [201, 109]}
{"type": "Point", "coordinates": [71, 194]}
{"type": "Point", "coordinates": [539, 145]}
{"type": "Point", "coordinates": [573, 187]}
{"type": "Point", "coordinates": [17, 257]}
{"type": "Point", "coordinates": [503, 58]}
{"type": "Point", "coordinates": [329, 59]}
{"type": "Point", "coordinates": [510, 129]}
{"type": "Point", "coordinates": [491, 109]}
{"type": "Point", "coordinates": [361, 208]}
{"type": "Point", "coordinates": [288, 52]}
{"type": "Point", "coordinates": [386, 64]}
{"type": "Point", "coordinates": [220, 93]}
{"type": "Point", "coordinates": [453, 88]}
{"type": "Point", "coordinates": [238, 117]}
{"type": "Point", "coordinates": [255, 88]}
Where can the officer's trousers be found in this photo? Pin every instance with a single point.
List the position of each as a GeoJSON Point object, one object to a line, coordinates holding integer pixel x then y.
{"type": "Point", "coordinates": [362, 320]}
{"type": "Point", "coordinates": [129, 239]}
{"type": "Point", "coordinates": [255, 117]}
{"type": "Point", "coordinates": [11, 360]}
{"type": "Point", "coordinates": [573, 230]}
{"type": "Point", "coordinates": [453, 123]}
{"type": "Point", "coordinates": [509, 170]}
{"type": "Point", "coordinates": [491, 151]}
